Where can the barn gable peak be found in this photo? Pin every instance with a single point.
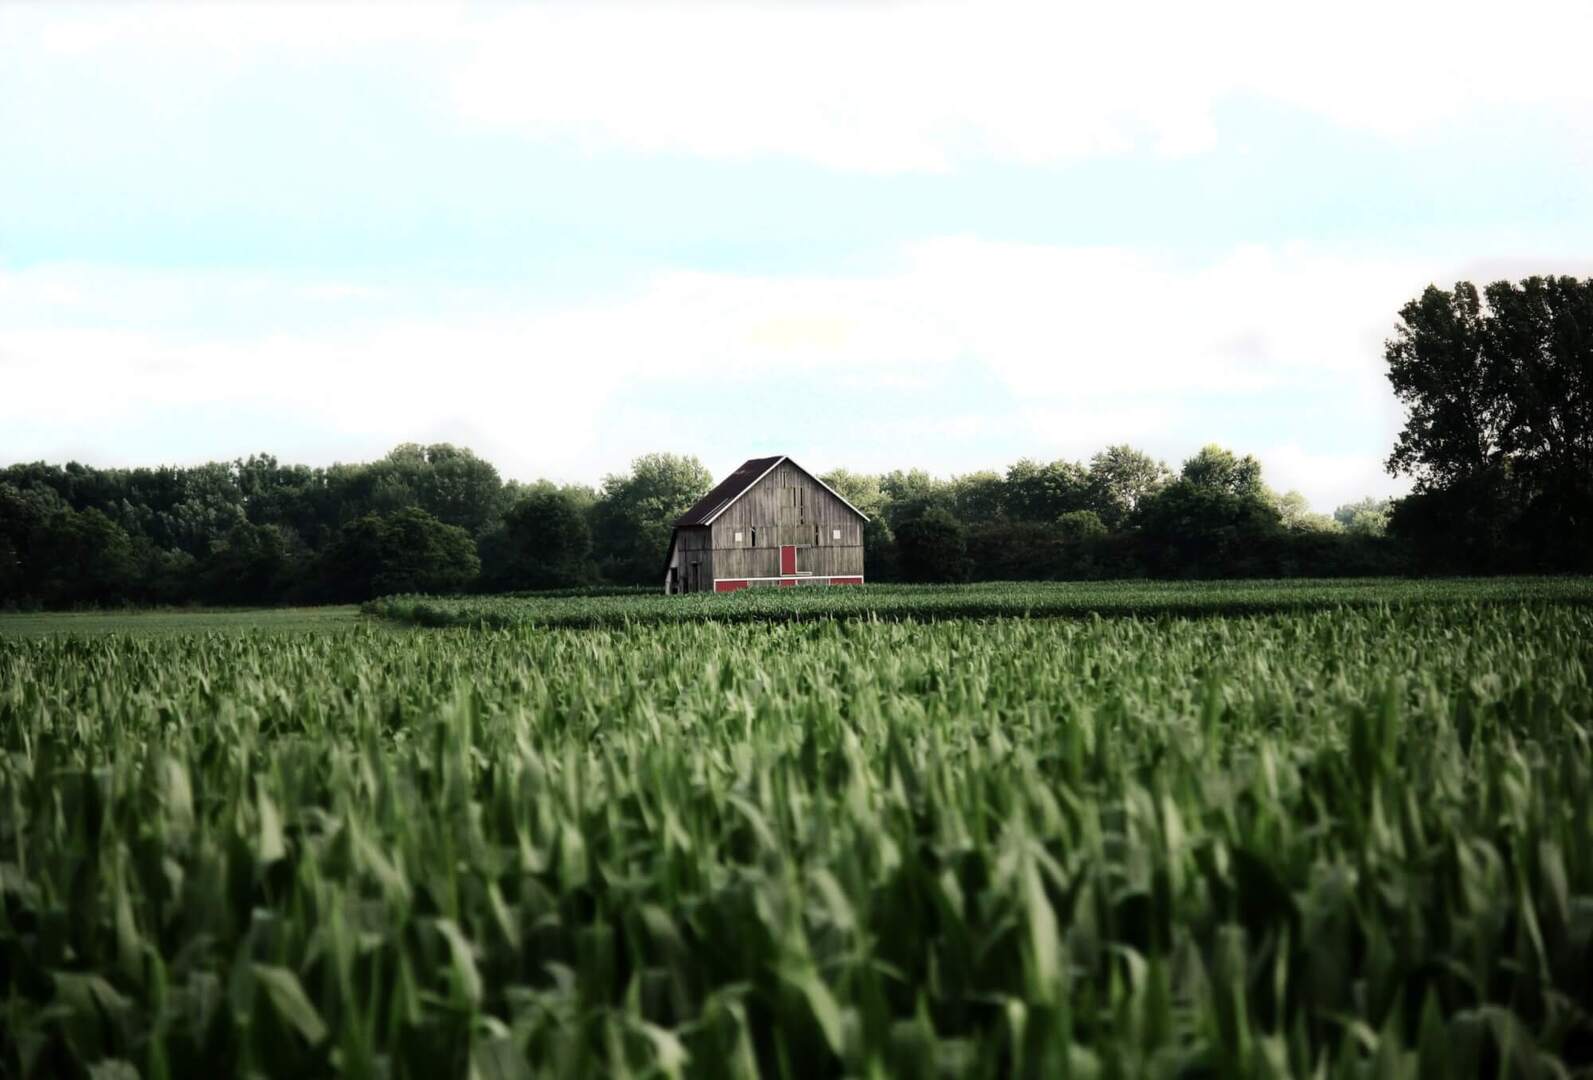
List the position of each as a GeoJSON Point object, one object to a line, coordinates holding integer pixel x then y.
{"type": "Point", "coordinates": [741, 481]}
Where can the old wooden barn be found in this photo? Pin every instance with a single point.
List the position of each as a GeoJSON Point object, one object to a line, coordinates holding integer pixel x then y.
{"type": "Point", "coordinates": [771, 522]}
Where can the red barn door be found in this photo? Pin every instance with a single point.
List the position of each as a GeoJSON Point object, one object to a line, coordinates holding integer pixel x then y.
{"type": "Point", "coordinates": [788, 559]}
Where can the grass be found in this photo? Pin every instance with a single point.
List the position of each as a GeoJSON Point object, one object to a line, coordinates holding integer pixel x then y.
{"type": "Point", "coordinates": [176, 621]}
{"type": "Point", "coordinates": [1344, 841]}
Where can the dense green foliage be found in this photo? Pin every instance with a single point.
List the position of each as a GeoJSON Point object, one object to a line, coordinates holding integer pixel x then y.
{"type": "Point", "coordinates": [438, 518]}
{"type": "Point", "coordinates": [633, 518]}
{"type": "Point", "coordinates": [256, 531]}
{"type": "Point", "coordinates": [996, 599]}
{"type": "Point", "coordinates": [405, 551]}
{"type": "Point", "coordinates": [1123, 515]}
{"type": "Point", "coordinates": [1350, 841]}
{"type": "Point", "coordinates": [932, 547]}
{"type": "Point", "coordinates": [1498, 391]}
{"type": "Point", "coordinates": [546, 543]}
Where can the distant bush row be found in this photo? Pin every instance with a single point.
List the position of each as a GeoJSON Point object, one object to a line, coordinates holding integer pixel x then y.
{"type": "Point", "coordinates": [986, 600]}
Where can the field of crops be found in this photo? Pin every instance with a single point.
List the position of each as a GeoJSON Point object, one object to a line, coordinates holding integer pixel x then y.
{"type": "Point", "coordinates": [1354, 841]}
{"type": "Point", "coordinates": [997, 599]}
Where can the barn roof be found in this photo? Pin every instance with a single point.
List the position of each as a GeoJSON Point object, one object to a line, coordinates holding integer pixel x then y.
{"type": "Point", "coordinates": [726, 491]}
{"type": "Point", "coordinates": [738, 484]}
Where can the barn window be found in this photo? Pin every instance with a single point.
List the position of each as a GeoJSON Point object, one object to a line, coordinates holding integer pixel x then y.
{"type": "Point", "coordinates": [835, 534]}
{"type": "Point", "coordinates": [738, 536]}
{"type": "Point", "coordinates": [815, 535]}
{"type": "Point", "coordinates": [754, 536]}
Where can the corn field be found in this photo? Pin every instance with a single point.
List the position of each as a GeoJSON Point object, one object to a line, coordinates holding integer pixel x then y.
{"type": "Point", "coordinates": [1354, 841]}
{"type": "Point", "coordinates": [1069, 599]}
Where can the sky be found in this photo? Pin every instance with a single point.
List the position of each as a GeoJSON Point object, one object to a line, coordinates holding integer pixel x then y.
{"type": "Point", "coordinates": [870, 235]}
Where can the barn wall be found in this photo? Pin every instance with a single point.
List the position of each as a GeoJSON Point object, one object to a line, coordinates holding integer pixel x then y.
{"type": "Point", "coordinates": [767, 507]}
{"type": "Point", "coordinates": [693, 545]}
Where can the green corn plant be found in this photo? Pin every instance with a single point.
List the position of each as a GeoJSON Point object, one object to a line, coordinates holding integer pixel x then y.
{"type": "Point", "coordinates": [1303, 829]}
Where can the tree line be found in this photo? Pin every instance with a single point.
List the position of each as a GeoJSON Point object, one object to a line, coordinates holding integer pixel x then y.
{"type": "Point", "coordinates": [1498, 387]}
{"type": "Point", "coordinates": [440, 519]}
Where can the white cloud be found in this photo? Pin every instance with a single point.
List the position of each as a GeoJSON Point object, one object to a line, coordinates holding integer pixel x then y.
{"type": "Point", "coordinates": [1102, 322]}
{"type": "Point", "coordinates": [865, 87]}
{"type": "Point", "coordinates": [1329, 480]}
{"type": "Point", "coordinates": [1093, 345]}
{"type": "Point", "coordinates": [1082, 429]}
{"type": "Point", "coordinates": [887, 88]}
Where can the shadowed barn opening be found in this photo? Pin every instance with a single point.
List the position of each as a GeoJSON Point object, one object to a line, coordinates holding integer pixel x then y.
{"type": "Point", "coordinates": [771, 522]}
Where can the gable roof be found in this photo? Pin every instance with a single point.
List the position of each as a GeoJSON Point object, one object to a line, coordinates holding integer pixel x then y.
{"type": "Point", "coordinates": [738, 484]}
{"type": "Point", "coordinates": [727, 491]}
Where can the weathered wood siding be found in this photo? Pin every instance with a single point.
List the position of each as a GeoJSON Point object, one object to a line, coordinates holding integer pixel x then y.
{"type": "Point", "coordinates": [785, 508]}
{"type": "Point", "coordinates": [693, 545]}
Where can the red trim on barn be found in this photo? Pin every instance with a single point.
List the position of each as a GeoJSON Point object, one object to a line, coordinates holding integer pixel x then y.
{"type": "Point", "coordinates": [732, 584]}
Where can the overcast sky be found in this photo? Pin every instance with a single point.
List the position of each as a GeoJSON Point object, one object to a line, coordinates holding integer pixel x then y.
{"type": "Point", "coordinates": [895, 234]}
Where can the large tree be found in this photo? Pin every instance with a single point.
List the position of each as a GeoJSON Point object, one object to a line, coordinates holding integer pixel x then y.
{"type": "Point", "coordinates": [26, 510]}
{"type": "Point", "coordinates": [253, 564]}
{"type": "Point", "coordinates": [1038, 491]}
{"type": "Point", "coordinates": [85, 558]}
{"type": "Point", "coordinates": [1498, 391]}
{"type": "Point", "coordinates": [1218, 469]}
{"type": "Point", "coordinates": [1439, 371]}
{"type": "Point", "coordinates": [1365, 517]}
{"type": "Point", "coordinates": [1512, 377]}
{"type": "Point", "coordinates": [933, 547]}
{"type": "Point", "coordinates": [979, 498]}
{"type": "Point", "coordinates": [635, 512]}
{"type": "Point", "coordinates": [402, 552]}
{"type": "Point", "coordinates": [1213, 521]}
{"type": "Point", "coordinates": [449, 482]}
{"type": "Point", "coordinates": [912, 494]}
{"type": "Point", "coordinates": [545, 543]}
{"type": "Point", "coordinates": [862, 490]}
{"type": "Point", "coordinates": [1539, 349]}
{"type": "Point", "coordinates": [1120, 478]}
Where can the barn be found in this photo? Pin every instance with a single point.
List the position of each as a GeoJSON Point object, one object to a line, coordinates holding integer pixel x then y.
{"type": "Point", "coordinates": [771, 522]}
